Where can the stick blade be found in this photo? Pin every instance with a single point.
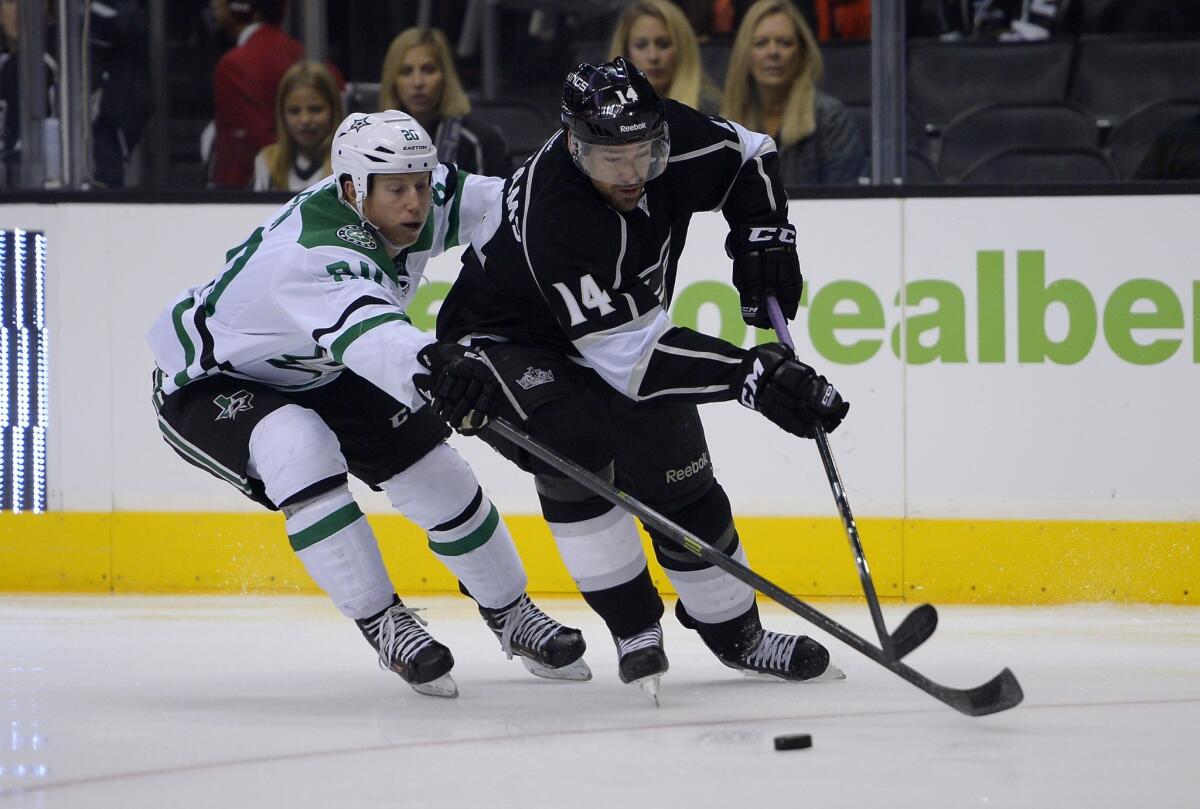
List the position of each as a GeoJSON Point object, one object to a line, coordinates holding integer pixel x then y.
{"type": "Point", "coordinates": [914, 630]}
{"type": "Point", "coordinates": [998, 694]}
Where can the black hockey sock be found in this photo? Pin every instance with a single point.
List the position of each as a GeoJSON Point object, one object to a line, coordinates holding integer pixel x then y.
{"type": "Point", "coordinates": [627, 608]}
{"type": "Point", "coordinates": [730, 639]}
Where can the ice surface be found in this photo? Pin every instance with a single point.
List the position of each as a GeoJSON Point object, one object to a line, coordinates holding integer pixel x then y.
{"type": "Point", "coordinates": [277, 702]}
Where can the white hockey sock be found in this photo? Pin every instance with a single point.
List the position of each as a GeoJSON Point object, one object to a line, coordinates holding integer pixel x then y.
{"type": "Point", "coordinates": [478, 549]}
{"type": "Point", "coordinates": [601, 552]}
{"type": "Point", "coordinates": [440, 494]}
{"type": "Point", "coordinates": [337, 547]}
{"type": "Point", "coordinates": [711, 595]}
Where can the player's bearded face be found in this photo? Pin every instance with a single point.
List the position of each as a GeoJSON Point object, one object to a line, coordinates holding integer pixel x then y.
{"type": "Point", "coordinates": [620, 172]}
{"type": "Point", "coordinates": [398, 205]}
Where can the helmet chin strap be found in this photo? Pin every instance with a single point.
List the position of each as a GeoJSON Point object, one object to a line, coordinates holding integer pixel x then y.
{"type": "Point", "coordinates": [357, 206]}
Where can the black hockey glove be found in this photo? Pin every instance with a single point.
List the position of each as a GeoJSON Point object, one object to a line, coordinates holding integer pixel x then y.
{"type": "Point", "coordinates": [765, 263]}
{"type": "Point", "coordinates": [460, 386]}
{"type": "Point", "coordinates": [788, 392]}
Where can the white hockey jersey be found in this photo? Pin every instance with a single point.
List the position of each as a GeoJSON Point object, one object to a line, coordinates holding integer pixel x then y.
{"type": "Point", "coordinates": [313, 291]}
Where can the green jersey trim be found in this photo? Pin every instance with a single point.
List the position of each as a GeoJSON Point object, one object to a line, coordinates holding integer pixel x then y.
{"type": "Point", "coordinates": [323, 216]}
{"type": "Point", "coordinates": [247, 249]}
{"type": "Point", "coordinates": [338, 349]}
{"type": "Point", "coordinates": [189, 349]}
{"type": "Point", "coordinates": [451, 239]}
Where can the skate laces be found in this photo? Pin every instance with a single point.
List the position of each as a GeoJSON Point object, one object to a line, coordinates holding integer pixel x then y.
{"type": "Point", "coordinates": [400, 634]}
{"type": "Point", "coordinates": [774, 651]}
{"type": "Point", "coordinates": [647, 638]}
{"type": "Point", "coordinates": [526, 625]}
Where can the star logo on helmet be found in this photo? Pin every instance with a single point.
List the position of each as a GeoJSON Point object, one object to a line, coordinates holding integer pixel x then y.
{"type": "Point", "coordinates": [358, 123]}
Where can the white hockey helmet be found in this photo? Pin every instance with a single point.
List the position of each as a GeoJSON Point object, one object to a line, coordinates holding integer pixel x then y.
{"type": "Point", "coordinates": [388, 142]}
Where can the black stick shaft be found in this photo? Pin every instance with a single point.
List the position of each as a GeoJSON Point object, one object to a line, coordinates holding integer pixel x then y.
{"type": "Point", "coordinates": [839, 497]}
{"type": "Point", "coordinates": [1000, 693]}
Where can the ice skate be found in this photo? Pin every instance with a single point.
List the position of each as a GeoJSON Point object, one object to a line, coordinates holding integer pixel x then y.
{"type": "Point", "coordinates": [774, 655]}
{"type": "Point", "coordinates": [404, 647]}
{"type": "Point", "coordinates": [641, 659]}
{"type": "Point", "coordinates": [546, 648]}
{"type": "Point", "coordinates": [744, 645]}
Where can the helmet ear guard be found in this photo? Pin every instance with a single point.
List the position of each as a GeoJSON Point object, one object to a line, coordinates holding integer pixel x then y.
{"type": "Point", "coordinates": [388, 142]}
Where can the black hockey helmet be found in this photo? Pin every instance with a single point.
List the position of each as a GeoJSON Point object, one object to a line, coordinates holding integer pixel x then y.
{"type": "Point", "coordinates": [614, 105]}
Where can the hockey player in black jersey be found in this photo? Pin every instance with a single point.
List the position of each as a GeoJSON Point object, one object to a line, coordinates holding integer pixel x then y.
{"type": "Point", "coordinates": [565, 295]}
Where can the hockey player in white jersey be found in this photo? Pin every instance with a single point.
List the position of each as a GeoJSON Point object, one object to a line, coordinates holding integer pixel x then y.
{"type": "Point", "coordinates": [295, 365]}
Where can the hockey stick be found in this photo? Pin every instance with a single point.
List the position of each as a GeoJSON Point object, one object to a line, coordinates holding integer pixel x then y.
{"type": "Point", "coordinates": [916, 628]}
{"type": "Point", "coordinates": [998, 694]}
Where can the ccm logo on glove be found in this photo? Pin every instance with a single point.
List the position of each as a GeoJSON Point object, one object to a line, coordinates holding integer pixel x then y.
{"type": "Point", "coordinates": [750, 386]}
{"type": "Point", "coordinates": [782, 235]}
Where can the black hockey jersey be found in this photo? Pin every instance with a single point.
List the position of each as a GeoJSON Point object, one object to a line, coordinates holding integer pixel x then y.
{"type": "Point", "coordinates": [553, 265]}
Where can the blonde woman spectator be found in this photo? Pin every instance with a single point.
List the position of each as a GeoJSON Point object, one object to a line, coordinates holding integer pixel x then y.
{"type": "Point", "coordinates": [308, 107]}
{"type": "Point", "coordinates": [771, 87]}
{"type": "Point", "coordinates": [419, 78]}
{"type": "Point", "coordinates": [659, 40]}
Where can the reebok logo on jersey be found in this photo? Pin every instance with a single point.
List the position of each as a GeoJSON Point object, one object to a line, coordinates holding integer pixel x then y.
{"type": "Point", "coordinates": [232, 405]}
{"type": "Point", "coordinates": [694, 468]}
{"type": "Point", "coordinates": [358, 236]}
{"type": "Point", "coordinates": [534, 377]}
{"type": "Point", "coordinates": [749, 395]}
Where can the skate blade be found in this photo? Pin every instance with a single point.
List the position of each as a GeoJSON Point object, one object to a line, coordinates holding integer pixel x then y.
{"type": "Point", "coordinates": [575, 672]}
{"type": "Point", "coordinates": [831, 673]}
{"type": "Point", "coordinates": [650, 686]}
{"type": "Point", "coordinates": [443, 686]}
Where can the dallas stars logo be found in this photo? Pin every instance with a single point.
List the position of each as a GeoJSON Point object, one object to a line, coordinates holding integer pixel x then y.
{"type": "Point", "coordinates": [357, 235]}
{"type": "Point", "coordinates": [232, 405]}
{"type": "Point", "coordinates": [318, 363]}
{"type": "Point", "coordinates": [358, 123]}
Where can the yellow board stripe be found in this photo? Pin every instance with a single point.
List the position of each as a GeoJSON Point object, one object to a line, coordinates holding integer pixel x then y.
{"type": "Point", "coordinates": [942, 561]}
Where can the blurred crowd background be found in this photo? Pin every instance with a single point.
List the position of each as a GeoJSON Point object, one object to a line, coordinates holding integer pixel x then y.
{"type": "Point", "coordinates": [245, 94]}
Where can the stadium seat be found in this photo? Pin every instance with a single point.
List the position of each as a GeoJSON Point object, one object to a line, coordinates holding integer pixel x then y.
{"type": "Point", "coordinates": [1132, 138]}
{"type": "Point", "coordinates": [592, 51]}
{"type": "Point", "coordinates": [994, 128]}
{"type": "Point", "coordinates": [946, 79]}
{"type": "Point", "coordinates": [714, 58]}
{"type": "Point", "coordinates": [524, 126]}
{"type": "Point", "coordinates": [919, 169]}
{"type": "Point", "coordinates": [847, 75]}
{"type": "Point", "coordinates": [1115, 75]}
{"type": "Point", "coordinates": [1031, 165]}
{"type": "Point", "coordinates": [914, 132]}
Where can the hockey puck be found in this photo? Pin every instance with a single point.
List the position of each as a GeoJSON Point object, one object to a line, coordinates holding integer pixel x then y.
{"type": "Point", "coordinates": [794, 741]}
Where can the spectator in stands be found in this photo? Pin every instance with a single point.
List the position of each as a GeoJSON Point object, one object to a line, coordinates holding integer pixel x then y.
{"type": "Point", "coordinates": [1006, 20]}
{"type": "Point", "coordinates": [1175, 154]}
{"type": "Point", "coordinates": [656, 37]}
{"type": "Point", "coordinates": [120, 74]}
{"type": "Point", "coordinates": [308, 108]}
{"type": "Point", "coordinates": [10, 93]}
{"type": "Point", "coordinates": [771, 87]}
{"type": "Point", "coordinates": [245, 82]}
{"type": "Point", "coordinates": [419, 78]}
